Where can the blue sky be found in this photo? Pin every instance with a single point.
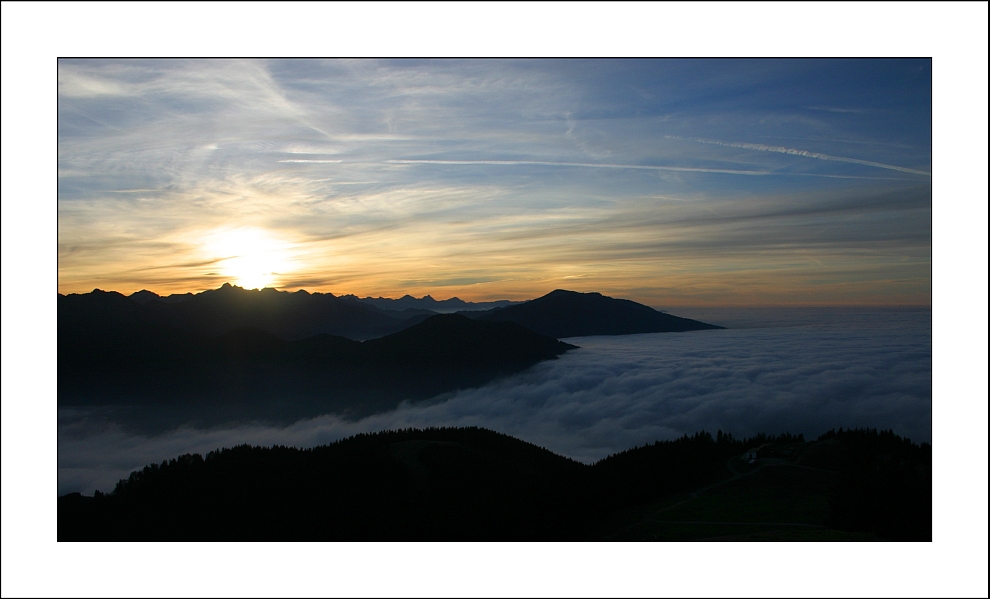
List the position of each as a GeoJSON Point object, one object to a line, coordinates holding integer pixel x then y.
{"type": "Point", "coordinates": [672, 182]}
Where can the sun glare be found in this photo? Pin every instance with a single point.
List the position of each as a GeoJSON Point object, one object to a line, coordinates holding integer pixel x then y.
{"type": "Point", "coordinates": [249, 257]}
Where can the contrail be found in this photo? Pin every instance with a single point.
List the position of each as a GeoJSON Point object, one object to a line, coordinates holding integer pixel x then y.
{"type": "Point", "coordinates": [805, 153]}
{"type": "Point", "coordinates": [581, 164]}
{"type": "Point", "coordinates": [313, 161]}
{"type": "Point", "coordinates": [630, 166]}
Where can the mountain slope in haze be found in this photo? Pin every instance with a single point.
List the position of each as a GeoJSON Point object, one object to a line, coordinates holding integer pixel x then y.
{"type": "Point", "coordinates": [564, 313]}
{"type": "Point", "coordinates": [408, 302]}
{"type": "Point", "coordinates": [249, 372]}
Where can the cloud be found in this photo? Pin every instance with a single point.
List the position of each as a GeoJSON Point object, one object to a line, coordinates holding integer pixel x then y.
{"type": "Point", "coordinates": [374, 238]}
{"type": "Point", "coordinates": [644, 167]}
{"type": "Point", "coordinates": [72, 84]}
{"type": "Point", "coordinates": [581, 164]}
{"type": "Point", "coordinates": [806, 154]}
{"type": "Point", "coordinates": [524, 173]}
{"type": "Point", "coordinates": [314, 161]}
{"type": "Point", "coordinates": [785, 370]}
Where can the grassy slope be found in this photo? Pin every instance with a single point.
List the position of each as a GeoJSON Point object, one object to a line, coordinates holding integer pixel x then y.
{"type": "Point", "coordinates": [771, 501]}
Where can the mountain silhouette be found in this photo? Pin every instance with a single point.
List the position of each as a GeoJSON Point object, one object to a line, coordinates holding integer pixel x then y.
{"type": "Point", "coordinates": [408, 302]}
{"type": "Point", "coordinates": [233, 354]}
{"type": "Point", "coordinates": [289, 315]}
{"type": "Point", "coordinates": [562, 313]}
{"type": "Point", "coordinates": [300, 314]}
{"type": "Point", "coordinates": [251, 373]}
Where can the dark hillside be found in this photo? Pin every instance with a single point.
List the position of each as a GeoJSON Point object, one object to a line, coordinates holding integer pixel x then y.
{"type": "Point", "coordinates": [456, 339]}
{"type": "Point", "coordinates": [884, 486]}
{"type": "Point", "coordinates": [472, 484]}
{"type": "Point", "coordinates": [438, 484]}
{"type": "Point", "coordinates": [251, 373]}
{"type": "Point", "coordinates": [563, 313]}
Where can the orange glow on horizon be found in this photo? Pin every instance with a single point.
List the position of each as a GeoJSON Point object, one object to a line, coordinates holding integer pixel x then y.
{"type": "Point", "coordinates": [248, 257]}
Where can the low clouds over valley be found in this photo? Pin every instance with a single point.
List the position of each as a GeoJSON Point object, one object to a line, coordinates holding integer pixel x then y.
{"type": "Point", "coordinates": [797, 370]}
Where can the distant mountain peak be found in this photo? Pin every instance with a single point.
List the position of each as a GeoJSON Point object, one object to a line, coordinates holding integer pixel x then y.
{"type": "Point", "coordinates": [428, 302]}
{"type": "Point", "coordinates": [563, 313]}
{"type": "Point", "coordinates": [230, 288]}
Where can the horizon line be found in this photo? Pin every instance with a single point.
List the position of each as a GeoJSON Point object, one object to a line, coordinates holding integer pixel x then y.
{"type": "Point", "coordinates": [659, 307]}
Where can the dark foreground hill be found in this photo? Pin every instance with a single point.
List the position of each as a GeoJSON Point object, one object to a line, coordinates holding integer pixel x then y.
{"type": "Point", "coordinates": [473, 484]}
{"type": "Point", "coordinates": [250, 373]}
{"type": "Point", "coordinates": [564, 313]}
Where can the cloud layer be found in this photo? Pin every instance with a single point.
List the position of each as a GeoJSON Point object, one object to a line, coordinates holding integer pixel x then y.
{"type": "Point", "coordinates": [791, 370]}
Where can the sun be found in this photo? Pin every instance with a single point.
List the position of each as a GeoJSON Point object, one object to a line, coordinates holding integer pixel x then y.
{"type": "Point", "coordinates": [249, 257]}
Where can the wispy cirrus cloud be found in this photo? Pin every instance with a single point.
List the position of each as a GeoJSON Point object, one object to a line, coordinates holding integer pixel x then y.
{"type": "Point", "coordinates": [387, 175]}
{"type": "Point", "coordinates": [644, 167]}
{"type": "Point", "coordinates": [308, 161]}
{"type": "Point", "coordinates": [580, 165]}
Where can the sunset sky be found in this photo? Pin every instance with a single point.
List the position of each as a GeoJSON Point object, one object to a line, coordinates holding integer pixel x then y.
{"type": "Point", "coordinates": [670, 182]}
{"type": "Point", "coordinates": [180, 175]}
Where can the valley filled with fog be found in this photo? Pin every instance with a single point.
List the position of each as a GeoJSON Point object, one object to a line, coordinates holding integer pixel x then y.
{"type": "Point", "coordinates": [798, 370]}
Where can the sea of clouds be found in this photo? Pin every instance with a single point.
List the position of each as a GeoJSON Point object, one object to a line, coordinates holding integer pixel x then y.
{"type": "Point", "coordinates": [782, 370]}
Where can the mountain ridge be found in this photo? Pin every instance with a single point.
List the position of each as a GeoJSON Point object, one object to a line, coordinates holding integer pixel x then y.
{"type": "Point", "coordinates": [290, 315]}
{"type": "Point", "coordinates": [562, 313]}
{"type": "Point", "coordinates": [427, 302]}
{"type": "Point", "coordinates": [300, 314]}
{"type": "Point", "coordinates": [242, 354]}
